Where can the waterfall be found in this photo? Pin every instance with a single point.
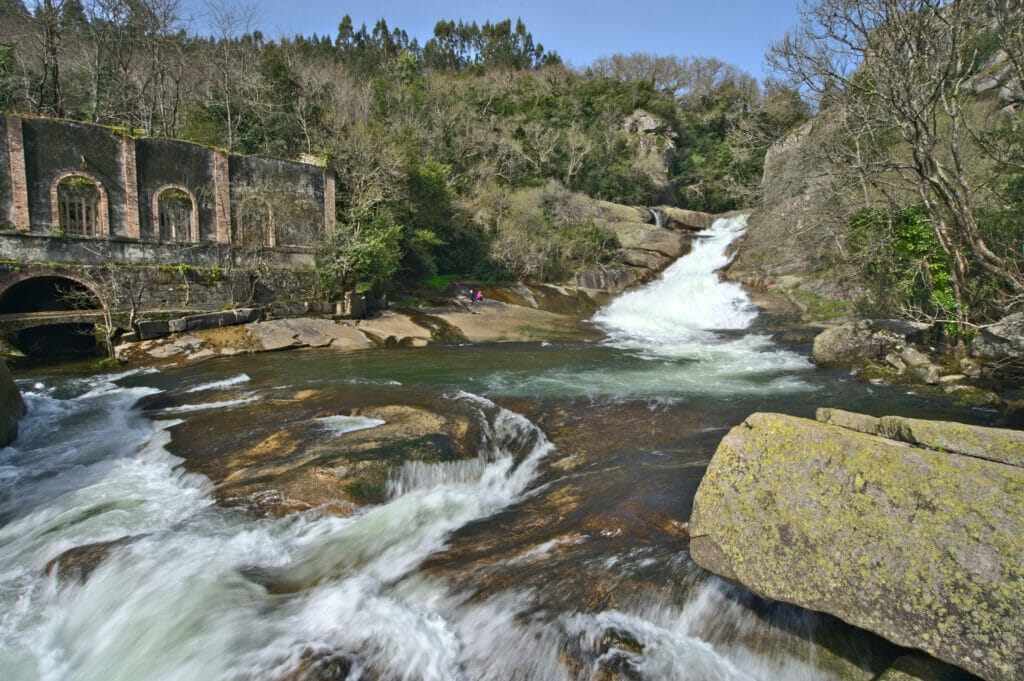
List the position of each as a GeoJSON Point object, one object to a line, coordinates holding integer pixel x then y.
{"type": "Point", "coordinates": [688, 300]}
{"type": "Point", "coordinates": [678, 317]}
{"type": "Point", "coordinates": [659, 217]}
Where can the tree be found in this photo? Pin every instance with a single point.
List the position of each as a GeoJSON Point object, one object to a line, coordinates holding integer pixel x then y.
{"type": "Point", "coordinates": [896, 76]}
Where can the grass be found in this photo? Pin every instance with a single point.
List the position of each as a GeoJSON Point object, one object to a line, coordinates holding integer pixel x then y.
{"type": "Point", "coordinates": [439, 282]}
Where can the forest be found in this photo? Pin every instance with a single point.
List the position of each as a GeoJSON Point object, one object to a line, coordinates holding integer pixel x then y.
{"type": "Point", "coordinates": [459, 156]}
{"type": "Point", "coordinates": [434, 146]}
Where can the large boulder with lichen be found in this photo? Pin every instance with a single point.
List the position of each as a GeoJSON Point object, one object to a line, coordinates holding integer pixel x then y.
{"type": "Point", "coordinates": [911, 529]}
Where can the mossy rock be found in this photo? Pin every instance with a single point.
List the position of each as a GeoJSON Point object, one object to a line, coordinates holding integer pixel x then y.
{"type": "Point", "coordinates": [922, 547]}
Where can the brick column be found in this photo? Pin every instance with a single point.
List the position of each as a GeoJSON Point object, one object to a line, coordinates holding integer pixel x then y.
{"type": "Point", "coordinates": [329, 207]}
{"type": "Point", "coordinates": [129, 170]}
{"type": "Point", "coordinates": [19, 181]}
{"type": "Point", "coordinates": [222, 197]}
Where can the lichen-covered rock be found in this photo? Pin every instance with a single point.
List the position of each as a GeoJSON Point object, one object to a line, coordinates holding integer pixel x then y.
{"type": "Point", "coordinates": [920, 546]}
{"type": "Point", "coordinates": [632, 235]}
{"type": "Point", "coordinates": [680, 218]}
{"type": "Point", "coordinates": [12, 406]}
{"type": "Point", "coordinates": [921, 668]}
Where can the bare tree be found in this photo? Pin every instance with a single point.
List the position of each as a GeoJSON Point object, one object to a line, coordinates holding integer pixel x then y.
{"type": "Point", "coordinates": [232, 24]}
{"type": "Point", "coordinates": [117, 291]}
{"type": "Point", "coordinates": [896, 76]}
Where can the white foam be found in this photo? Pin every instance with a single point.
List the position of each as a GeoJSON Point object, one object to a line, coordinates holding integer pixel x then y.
{"type": "Point", "coordinates": [339, 425]}
{"type": "Point", "coordinates": [220, 385]}
{"type": "Point", "coordinates": [224, 404]}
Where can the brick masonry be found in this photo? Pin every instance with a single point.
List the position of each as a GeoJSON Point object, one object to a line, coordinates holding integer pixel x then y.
{"type": "Point", "coordinates": [222, 197]}
{"type": "Point", "coordinates": [132, 228]}
{"type": "Point", "coordinates": [19, 184]}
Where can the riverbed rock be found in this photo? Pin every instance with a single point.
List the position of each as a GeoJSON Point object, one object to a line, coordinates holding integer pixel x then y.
{"type": "Point", "coordinates": [310, 455]}
{"type": "Point", "coordinates": [12, 406]}
{"type": "Point", "coordinates": [867, 339]}
{"type": "Point", "coordinates": [918, 545]}
{"type": "Point", "coordinates": [78, 563]}
{"type": "Point", "coordinates": [1001, 341]}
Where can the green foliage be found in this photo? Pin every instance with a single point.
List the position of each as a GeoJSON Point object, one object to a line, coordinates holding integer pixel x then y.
{"type": "Point", "coordinates": [361, 259]}
{"type": "Point", "coordinates": [439, 282]}
{"type": "Point", "coordinates": [78, 182]}
{"type": "Point", "coordinates": [905, 262]}
{"type": "Point", "coordinates": [8, 81]}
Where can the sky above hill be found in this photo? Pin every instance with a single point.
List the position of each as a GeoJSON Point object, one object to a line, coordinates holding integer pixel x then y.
{"type": "Point", "coordinates": [735, 31]}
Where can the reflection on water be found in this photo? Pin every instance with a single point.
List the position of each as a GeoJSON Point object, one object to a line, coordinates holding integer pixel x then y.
{"type": "Point", "coordinates": [556, 551]}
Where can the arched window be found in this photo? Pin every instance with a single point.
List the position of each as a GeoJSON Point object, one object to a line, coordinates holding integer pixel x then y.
{"type": "Point", "coordinates": [176, 215]}
{"type": "Point", "coordinates": [80, 205]}
{"type": "Point", "coordinates": [255, 224]}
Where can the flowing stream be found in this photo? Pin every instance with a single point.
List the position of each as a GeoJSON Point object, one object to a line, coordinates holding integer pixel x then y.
{"type": "Point", "coordinates": [558, 551]}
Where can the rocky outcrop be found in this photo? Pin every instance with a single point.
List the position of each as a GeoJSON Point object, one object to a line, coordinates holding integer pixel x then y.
{"type": "Point", "coordinates": [1002, 341]}
{"type": "Point", "coordinates": [12, 406]}
{"type": "Point", "coordinates": [867, 339]}
{"type": "Point", "coordinates": [904, 537]}
{"type": "Point", "coordinates": [654, 147]}
{"type": "Point", "coordinates": [680, 218]}
{"type": "Point", "coordinates": [607, 278]}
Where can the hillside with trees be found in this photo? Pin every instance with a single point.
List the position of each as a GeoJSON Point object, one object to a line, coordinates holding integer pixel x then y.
{"type": "Point", "coordinates": [448, 155]}
{"type": "Point", "coordinates": [904, 193]}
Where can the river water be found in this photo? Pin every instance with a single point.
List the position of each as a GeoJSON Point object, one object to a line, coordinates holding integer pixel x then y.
{"type": "Point", "coordinates": [558, 552]}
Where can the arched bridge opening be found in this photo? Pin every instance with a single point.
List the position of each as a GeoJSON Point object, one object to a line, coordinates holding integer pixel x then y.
{"type": "Point", "coordinates": [41, 317]}
{"type": "Point", "coordinates": [48, 294]}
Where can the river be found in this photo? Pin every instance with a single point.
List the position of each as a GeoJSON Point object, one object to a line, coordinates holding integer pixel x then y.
{"type": "Point", "coordinates": [558, 552]}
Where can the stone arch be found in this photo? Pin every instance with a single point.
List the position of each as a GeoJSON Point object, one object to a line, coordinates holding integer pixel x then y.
{"type": "Point", "coordinates": [78, 204]}
{"type": "Point", "coordinates": [40, 292]}
{"type": "Point", "coordinates": [254, 225]}
{"type": "Point", "coordinates": [175, 214]}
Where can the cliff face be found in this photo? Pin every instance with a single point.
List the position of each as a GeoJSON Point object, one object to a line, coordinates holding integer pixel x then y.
{"type": "Point", "coordinates": [911, 529]}
{"type": "Point", "coordinates": [794, 239]}
{"type": "Point", "coordinates": [12, 406]}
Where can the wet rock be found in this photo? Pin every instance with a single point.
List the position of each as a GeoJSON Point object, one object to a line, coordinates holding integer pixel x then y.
{"type": "Point", "coordinates": [12, 406]}
{"type": "Point", "coordinates": [441, 331]}
{"type": "Point", "coordinates": [307, 456]}
{"type": "Point", "coordinates": [796, 335]}
{"type": "Point", "coordinates": [922, 668]}
{"type": "Point", "coordinates": [918, 545]}
{"type": "Point", "coordinates": [298, 332]}
{"type": "Point", "coordinates": [320, 665]}
{"type": "Point", "coordinates": [78, 563]}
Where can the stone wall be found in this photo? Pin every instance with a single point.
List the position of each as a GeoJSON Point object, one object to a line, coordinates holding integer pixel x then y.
{"type": "Point", "coordinates": [36, 153]}
{"type": "Point", "coordinates": [183, 287]}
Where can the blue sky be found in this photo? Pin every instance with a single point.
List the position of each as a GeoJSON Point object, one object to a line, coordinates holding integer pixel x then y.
{"type": "Point", "coordinates": [735, 31]}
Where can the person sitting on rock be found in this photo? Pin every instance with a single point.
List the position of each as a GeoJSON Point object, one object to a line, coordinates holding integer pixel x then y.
{"type": "Point", "coordinates": [479, 296]}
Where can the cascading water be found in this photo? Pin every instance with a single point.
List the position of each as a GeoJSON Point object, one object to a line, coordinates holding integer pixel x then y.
{"type": "Point", "coordinates": [688, 300]}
